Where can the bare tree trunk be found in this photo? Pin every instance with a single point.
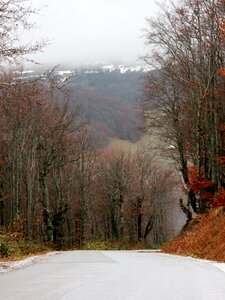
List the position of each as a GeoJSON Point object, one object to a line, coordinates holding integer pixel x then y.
{"type": "Point", "coordinates": [46, 210]}
{"type": "Point", "coordinates": [114, 225]}
{"type": "Point", "coordinates": [29, 207]}
{"type": "Point", "coordinates": [149, 226]}
{"type": "Point", "coordinates": [139, 218]}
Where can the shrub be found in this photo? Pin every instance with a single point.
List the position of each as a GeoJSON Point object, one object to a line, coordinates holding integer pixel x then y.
{"type": "Point", "coordinates": [4, 249]}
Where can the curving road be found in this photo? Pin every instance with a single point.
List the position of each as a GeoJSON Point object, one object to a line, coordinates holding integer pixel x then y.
{"type": "Point", "coordinates": [114, 275]}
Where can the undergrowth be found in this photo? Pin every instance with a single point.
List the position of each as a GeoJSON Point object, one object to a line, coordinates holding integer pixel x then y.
{"type": "Point", "coordinates": [116, 245]}
{"type": "Point", "coordinates": [14, 246]}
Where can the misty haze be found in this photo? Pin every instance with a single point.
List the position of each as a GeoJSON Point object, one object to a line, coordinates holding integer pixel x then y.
{"type": "Point", "coordinates": [90, 32]}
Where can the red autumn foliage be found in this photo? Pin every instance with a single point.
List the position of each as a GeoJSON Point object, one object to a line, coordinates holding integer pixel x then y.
{"type": "Point", "coordinates": [206, 195]}
{"type": "Point", "coordinates": [219, 198]}
{"type": "Point", "coordinates": [198, 182]}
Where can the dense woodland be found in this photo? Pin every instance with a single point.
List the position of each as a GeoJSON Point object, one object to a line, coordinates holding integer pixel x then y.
{"type": "Point", "coordinates": [61, 185]}
{"type": "Point", "coordinates": [57, 182]}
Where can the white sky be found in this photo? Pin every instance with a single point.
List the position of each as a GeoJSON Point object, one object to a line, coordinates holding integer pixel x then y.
{"type": "Point", "coordinates": [91, 31]}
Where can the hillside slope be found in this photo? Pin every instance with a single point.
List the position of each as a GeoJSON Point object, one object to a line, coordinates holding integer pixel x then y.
{"type": "Point", "coordinates": [109, 102]}
{"type": "Point", "coordinates": [203, 238]}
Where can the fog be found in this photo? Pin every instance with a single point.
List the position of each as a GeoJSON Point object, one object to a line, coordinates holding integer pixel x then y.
{"type": "Point", "coordinates": [90, 31]}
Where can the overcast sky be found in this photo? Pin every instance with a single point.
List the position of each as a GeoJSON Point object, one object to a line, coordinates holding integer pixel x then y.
{"type": "Point", "coordinates": [91, 31]}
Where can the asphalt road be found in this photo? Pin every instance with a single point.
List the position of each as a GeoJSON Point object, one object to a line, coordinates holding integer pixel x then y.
{"type": "Point", "coordinates": [114, 275]}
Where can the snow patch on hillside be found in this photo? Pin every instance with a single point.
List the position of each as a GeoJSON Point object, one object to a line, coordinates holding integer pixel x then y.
{"type": "Point", "coordinates": [123, 69]}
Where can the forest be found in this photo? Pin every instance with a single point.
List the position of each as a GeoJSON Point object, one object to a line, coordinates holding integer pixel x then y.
{"type": "Point", "coordinates": [60, 186]}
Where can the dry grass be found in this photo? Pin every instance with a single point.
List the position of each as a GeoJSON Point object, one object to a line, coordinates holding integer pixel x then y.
{"type": "Point", "coordinates": [204, 238]}
{"type": "Point", "coordinates": [116, 245]}
{"type": "Point", "coordinates": [13, 246]}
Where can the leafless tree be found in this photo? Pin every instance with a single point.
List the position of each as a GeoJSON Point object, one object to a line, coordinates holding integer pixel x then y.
{"type": "Point", "coordinates": [188, 51]}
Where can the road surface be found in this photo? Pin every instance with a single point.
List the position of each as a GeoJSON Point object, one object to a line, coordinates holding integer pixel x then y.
{"type": "Point", "coordinates": [114, 275]}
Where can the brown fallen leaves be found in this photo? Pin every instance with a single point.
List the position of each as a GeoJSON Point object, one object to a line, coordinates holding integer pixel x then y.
{"type": "Point", "coordinates": [203, 238]}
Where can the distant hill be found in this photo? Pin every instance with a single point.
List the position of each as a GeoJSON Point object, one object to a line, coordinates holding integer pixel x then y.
{"type": "Point", "coordinates": [110, 100]}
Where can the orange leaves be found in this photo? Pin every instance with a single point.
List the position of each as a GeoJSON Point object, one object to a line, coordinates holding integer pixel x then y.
{"type": "Point", "coordinates": [222, 30]}
{"type": "Point", "coordinates": [206, 196]}
{"type": "Point", "coordinates": [198, 184]}
{"type": "Point", "coordinates": [221, 72]}
{"type": "Point", "coordinates": [219, 198]}
{"type": "Point", "coordinates": [205, 238]}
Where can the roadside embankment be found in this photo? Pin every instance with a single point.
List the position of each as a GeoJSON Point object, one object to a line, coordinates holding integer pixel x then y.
{"type": "Point", "coordinates": [203, 238]}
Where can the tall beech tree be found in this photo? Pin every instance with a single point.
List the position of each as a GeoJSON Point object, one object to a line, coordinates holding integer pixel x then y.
{"type": "Point", "coordinates": [113, 179]}
{"type": "Point", "coordinates": [188, 87]}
